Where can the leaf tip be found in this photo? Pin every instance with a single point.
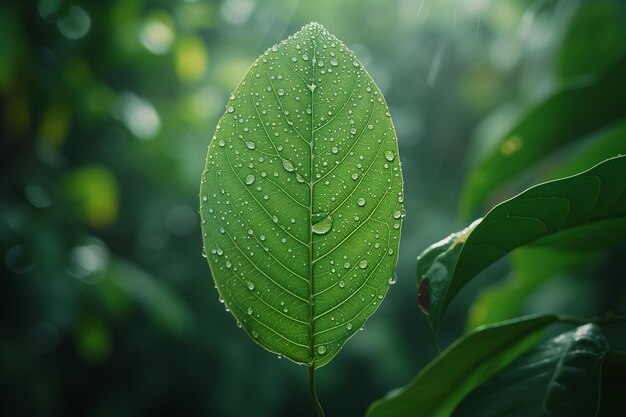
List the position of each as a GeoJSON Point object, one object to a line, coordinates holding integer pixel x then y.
{"type": "Point", "coordinates": [313, 25]}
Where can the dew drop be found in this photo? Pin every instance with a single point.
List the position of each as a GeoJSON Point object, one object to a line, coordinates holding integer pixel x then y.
{"type": "Point", "coordinates": [288, 165]}
{"type": "Point", "coordinates": [346, 265]}
{"type": "Point", "coordinates": [342, 284]}
{"type": "Point", "coordinates": [230, 109]}
{"type": "Point", "coordinates": [250, 179]}
{"type": "Point", "coordinates": [221, 143]}
{"type": "Point", "coordinates": [255, 334]}
{"type": "Point", "coordinates": [349, 326]}
{"type": "Point", "coordinates": [281, 92]}
{"type": "Point", "coordinates": [334, 149]}
{"type": "Point", "coordinates": [397, 214]}
{"type": "Point", "coordinates": [353, 131]}
{"type": "Point", "coordinates": [389, 156]}
{"type": "Point", "coordinates": [321, 350]}
{"type": "Point", "coordinates": [354, 176]}
{"type": "Point", "coordinates": [323, 226]}
{"type": "Point", "coordinates": [361, 201]}
{"type": "Point", "coordinates": [250, 145]}
{"type": "Point", "coordinates": [363, 264]}
{"type": "Point", "coordinates": [333, 62]}
{"type": "Point", "coordinates": [250, 285]}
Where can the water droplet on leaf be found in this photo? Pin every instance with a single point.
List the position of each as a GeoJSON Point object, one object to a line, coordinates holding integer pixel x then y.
{"type": "Point", "coordinates": [288, 165]}
{"type": "Point", "coordinates": [323, 226]}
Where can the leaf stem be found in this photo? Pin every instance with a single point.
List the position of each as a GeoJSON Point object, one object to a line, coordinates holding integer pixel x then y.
{"type": "Point", "coordinates": [313, 392]}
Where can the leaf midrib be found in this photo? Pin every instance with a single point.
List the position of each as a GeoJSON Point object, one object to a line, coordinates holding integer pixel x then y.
{"type": "Point", "coordinates": [311, 335]}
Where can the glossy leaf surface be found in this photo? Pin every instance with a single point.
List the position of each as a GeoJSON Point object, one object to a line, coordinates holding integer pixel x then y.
{"type": "Point", "coordinates": [583, 208]}
{"type": "Point", "coordinates": [301, 198]}
{"type": "Point", "coordinates": [559, 378]}
{"type": "Point", "coordinates": [467, 363]}
{"type": "Point", "coordinates": [532, 267]}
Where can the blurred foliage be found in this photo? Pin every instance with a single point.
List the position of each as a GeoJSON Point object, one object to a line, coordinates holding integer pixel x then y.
{"type": "Point", "coordinates": [107, 109]}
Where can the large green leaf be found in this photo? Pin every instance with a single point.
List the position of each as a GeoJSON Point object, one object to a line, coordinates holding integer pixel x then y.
{"type": "Point", "coordinates": [301, 198]}
{"type": "Point", "coordinates": [571, 113]}
{"type": "Point", "coordinates": [533, 266]}
{"type": "Point", "coordinates": [585, 208]}
{"type": "Point", "coordinates": [464, 365]}
{"type": "Point", "coordinates": [597, 33]}
{"type": "Point", "coordinates": [559, 378]}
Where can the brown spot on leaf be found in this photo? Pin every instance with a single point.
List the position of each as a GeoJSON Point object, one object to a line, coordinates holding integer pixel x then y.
{"type": "Point", "coordinates": [423, 295]}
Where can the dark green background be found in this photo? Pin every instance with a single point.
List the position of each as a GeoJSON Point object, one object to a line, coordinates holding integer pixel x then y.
{"type": "Point", "coordinates": [107, 108]}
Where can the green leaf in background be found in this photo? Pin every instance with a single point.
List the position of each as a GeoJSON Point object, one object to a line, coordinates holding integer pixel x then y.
{"type": "Point", "coordinates": [559, 378]}
{"type": "Point", "coordinates": [464, 365]}
{"type": "Point", "coordinates": [605, 144]}
{"type": "Point", "coordinates": [301, 198]}
{"type": "Point", "coordinates": [586, 208]}
{"type": "Point", "coordinates": [571, 113]}
{"type": "Point", "coordinates": [434, 266]}
{"type": "Point", "coordinates": [597, 33]}
{"type": "Point", "coordinates": [532, 267]}
{"type": "Point", "coordinates": [613, 385]}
